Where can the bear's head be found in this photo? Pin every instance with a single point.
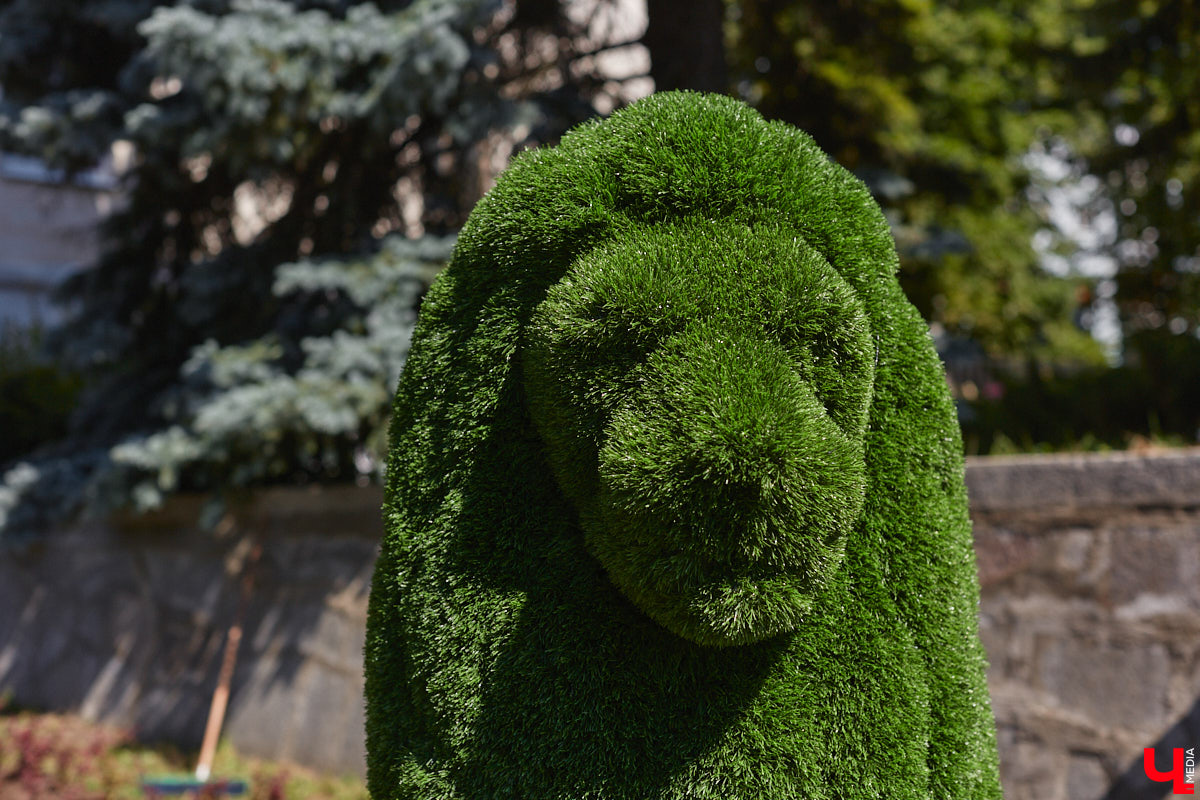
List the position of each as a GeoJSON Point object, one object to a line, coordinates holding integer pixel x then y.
{"type": "Point", "coordinates": [702, 390]}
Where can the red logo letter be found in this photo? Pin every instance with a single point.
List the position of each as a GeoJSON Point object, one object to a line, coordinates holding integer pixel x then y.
{"type": "Point", "coordinates": [1176, 775]}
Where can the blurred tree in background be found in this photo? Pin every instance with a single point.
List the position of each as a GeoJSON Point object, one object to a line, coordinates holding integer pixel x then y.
{"type": "Point", "coordinates": [299, 171]}
{"type": "Point", "coordinates": [933, 105]}
{"type": "Point", "coordinates": [300, 168]}
{"type": "Point", "coordinates": [1129, 76]}
{"type": "Point", "coordinates": [1027, 154]}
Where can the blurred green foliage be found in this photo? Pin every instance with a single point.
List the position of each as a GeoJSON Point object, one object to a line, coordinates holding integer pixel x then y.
{"type": "Point", "coordinates": [299, 170]}
{"type": "Point", "coordinates": [36, 397]}
{"type": "Point", "coordinates": [944, 109]}
{"type": "Point", "coordinates": [933, 104]}
{"type": "Point", "coordinates": [282, 407]}
{"type": "Point", "coordinates": [1037, 162]}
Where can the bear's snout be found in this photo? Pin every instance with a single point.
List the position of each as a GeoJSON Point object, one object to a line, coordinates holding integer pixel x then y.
{"type": "Point", "coordinates": [726, 490]}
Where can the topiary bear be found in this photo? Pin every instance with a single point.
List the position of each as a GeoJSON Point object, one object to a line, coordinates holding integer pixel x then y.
{"type": "Point", "coordinates": [675, 505]}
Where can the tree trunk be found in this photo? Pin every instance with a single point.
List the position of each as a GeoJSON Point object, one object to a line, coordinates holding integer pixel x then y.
{"type": "Point", "coordinates": [686, 43]}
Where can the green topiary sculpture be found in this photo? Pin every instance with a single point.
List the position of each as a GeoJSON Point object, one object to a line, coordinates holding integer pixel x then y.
{"type": "Point", "coordinates": [675, 504]}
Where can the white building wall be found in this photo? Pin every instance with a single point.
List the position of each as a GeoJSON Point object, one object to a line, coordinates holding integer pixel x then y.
{"type": "Point", "coordinates": [49, 227]}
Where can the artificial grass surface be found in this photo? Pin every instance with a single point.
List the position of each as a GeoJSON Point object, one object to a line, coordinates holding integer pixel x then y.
{"type": "Point", "coordinates": [675, 504]}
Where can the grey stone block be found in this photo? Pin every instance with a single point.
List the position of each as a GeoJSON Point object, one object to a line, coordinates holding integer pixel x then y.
{"type": "Point", "coordinates": [1032, 770]}
{"type": "Point", "coordinates": [1084, 481]}
{"type": "Point", "coordinates": [1160, 560]}
{"type": "Point", "coordinates": [1109, 683]}
{"type": "Point", "coordinates": [1087, 778]}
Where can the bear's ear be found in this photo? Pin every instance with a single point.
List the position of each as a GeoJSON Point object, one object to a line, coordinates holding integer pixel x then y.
{"type": "Point", "coordinates": [702, 391]}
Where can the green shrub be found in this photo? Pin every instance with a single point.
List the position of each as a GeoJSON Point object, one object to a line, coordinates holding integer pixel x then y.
{"type": "Point", "coordinates": [675, 504]}
{"type": "Point", "coordinates": [36, 397]}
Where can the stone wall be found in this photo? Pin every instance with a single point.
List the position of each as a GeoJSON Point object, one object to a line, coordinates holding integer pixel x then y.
{"type": "Point", "coordinates": [1091, 618]}
{"type": "Point", "coordinates": [127, 622]}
